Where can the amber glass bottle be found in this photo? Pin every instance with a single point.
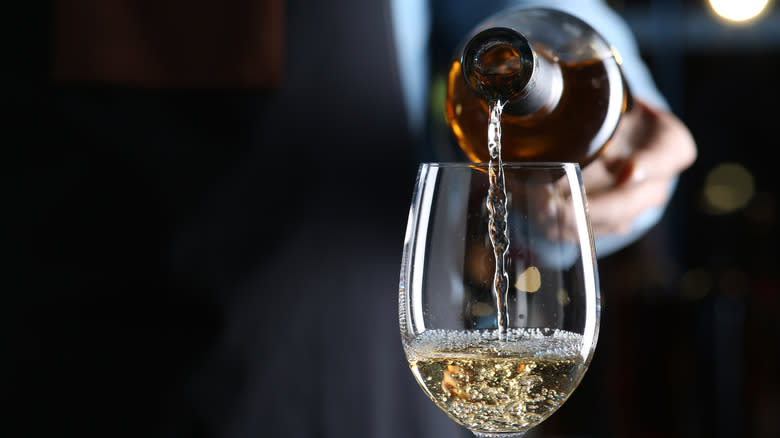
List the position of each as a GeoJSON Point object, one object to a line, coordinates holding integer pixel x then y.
{"type": "Point", "coordinates": [561, 84]}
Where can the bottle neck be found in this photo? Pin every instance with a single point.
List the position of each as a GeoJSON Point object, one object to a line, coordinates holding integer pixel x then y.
{"type": "Point", "coordinates": [499, 64]}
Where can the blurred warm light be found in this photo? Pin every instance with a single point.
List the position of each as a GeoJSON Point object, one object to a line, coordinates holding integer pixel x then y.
{"type": "Point", "coordinates": [738, 10]}
{"type": "Point", "coordinates": [728, 188]}
{"type": "Point", "coordinates": [530, 280]}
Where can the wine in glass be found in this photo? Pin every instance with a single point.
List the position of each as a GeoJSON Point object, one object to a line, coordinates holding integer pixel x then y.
{"type": "Point", "coordinates": [499, 359]}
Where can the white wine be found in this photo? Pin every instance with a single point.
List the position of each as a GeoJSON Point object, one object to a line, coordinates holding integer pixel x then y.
{"type": "Point", "coordinates": [497, 387]}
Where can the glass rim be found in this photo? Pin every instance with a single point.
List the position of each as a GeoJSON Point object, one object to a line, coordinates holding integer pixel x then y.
{"type": "Point", "coordinates": [507, 164]}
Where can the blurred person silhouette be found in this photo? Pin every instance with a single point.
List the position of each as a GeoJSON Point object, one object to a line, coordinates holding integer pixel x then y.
{"type": "Point", "coordinates": [208, 206]}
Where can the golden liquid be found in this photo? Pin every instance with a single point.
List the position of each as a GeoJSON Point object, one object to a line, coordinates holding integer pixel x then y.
{"type": "Point", "coordinates": [490, 391]}
{"type": "Point", "coordinates": [575, 130]}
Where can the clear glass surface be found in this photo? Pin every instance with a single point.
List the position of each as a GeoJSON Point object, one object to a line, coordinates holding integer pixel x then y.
{"type": "Point", "coordinates": [499, 383]}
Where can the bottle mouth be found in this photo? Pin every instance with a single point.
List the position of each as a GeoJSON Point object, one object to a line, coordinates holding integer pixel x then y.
{"type": "Point", "coordinates": [497, 63]}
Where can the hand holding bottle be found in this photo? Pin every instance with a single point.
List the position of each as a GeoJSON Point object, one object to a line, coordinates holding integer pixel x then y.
{"type": "Point", "coordinates": [650, 148]}
{"type": "Point", "coordinates": [566, 99]}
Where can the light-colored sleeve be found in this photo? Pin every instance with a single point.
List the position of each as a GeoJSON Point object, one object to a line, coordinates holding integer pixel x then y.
{"type": "Point", "coordinates": [410, 24]}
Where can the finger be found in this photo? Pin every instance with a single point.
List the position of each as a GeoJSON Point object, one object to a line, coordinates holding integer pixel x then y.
{"type": "Point", "coordinates": [611, 212]}
{"type": "Point", "coordinates": [615, 211]}
{"type": "Point", "coordinates": [595, 177]}
{"type": "Point", "coordinates": [663, 147]}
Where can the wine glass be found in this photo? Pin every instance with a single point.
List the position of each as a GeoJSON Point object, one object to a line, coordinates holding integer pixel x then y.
{"type": "Point", "coordinates": [499, 363]}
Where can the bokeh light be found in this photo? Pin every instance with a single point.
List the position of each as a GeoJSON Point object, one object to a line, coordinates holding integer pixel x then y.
{"type": "Point", "coordinates": [738, 10]}
{"type": "Point", "coordinates": [728, 188]}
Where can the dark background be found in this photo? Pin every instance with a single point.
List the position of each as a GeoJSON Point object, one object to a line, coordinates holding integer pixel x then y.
{"type": "Point", "coordinates": [210, 262]}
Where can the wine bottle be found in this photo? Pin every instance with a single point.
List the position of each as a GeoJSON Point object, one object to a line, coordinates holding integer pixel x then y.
{"type": "Point", "coordinates": [560, 82]}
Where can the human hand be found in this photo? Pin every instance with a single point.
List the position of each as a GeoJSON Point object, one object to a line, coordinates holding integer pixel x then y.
{"type": "Point", "coordinates": [650, 148]}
